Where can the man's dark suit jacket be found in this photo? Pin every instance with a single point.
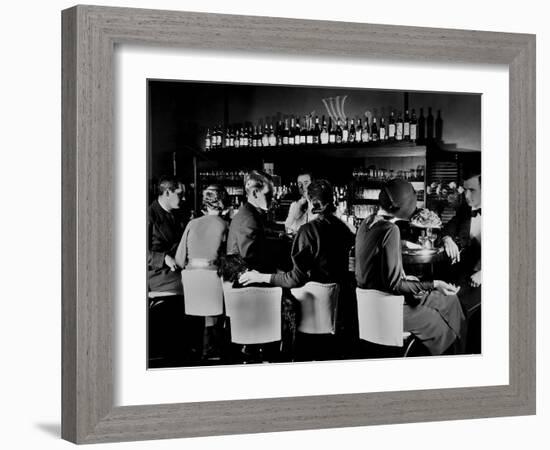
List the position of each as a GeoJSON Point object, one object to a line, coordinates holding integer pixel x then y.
{"type": "Point", "coordinates": [247, 237]}
{"type": "Point", "coordinates": [458, 228]}
{"type": "Point", "coordinates": [164, 233]}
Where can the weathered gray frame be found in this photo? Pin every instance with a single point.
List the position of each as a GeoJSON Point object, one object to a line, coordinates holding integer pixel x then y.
{"type": "Point", "coordinates": [89, 36]}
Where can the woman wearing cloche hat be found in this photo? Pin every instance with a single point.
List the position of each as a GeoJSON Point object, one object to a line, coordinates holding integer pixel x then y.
{"type": "Point", "coordinates": [432, 311]}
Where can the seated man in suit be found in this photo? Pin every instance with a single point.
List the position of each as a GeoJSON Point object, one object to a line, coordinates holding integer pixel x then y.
{"type": "Point", "coordinates": [247, 234]}
{"type": "Point", "coordinates": [166, 220]}
{"type": "Point", "coordinates": [462, 242]}
{"type": "Point", "coordinates": [247, 241]}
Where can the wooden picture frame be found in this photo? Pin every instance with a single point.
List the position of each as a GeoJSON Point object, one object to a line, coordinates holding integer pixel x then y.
{"type": "Point", "coordinates": [90, 34]}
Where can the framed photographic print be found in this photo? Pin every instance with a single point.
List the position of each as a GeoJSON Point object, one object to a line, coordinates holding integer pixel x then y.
{"type": "Point", "coordinates": [242, 199]}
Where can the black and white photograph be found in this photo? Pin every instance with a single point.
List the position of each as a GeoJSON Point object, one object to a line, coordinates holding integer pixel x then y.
{"type": "Point", "coordinates": [245, 225]}
{"type": "Point", "coordinates": [296, 223]}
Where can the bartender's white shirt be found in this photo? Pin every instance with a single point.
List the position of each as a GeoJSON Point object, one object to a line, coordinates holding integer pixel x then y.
{"type": "Point", "coordinates": [475, 228]}
{"type": "Point", "coordinates": [296, 217]}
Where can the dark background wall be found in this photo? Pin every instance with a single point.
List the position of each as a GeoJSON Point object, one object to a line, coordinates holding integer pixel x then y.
{"type": "Point", "coordinates": [181, 112]}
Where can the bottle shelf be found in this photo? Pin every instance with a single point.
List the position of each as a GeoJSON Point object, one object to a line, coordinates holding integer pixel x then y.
{"type": "Point", "coordinates": [348, 150]}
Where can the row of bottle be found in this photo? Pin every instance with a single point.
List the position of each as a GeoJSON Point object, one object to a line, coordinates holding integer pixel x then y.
{"type": "Point", "coordinates": [312, 131]}
{"type": "Point", "coordinates": [372, 173]}
{"type": "Point", "coordinates": [233, 181]}
{"type": "Point", "coordinates": [223, 176]}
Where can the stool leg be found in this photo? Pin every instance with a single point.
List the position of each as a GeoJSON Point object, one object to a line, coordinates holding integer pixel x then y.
{"type": "Point", "coordinates": [212, 339]}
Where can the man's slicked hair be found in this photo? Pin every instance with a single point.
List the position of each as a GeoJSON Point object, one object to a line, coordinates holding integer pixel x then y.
{"type": "Point", "coordinates": [472, 168]}
{"type": "Point", "coordinates": [306, 172]}
{"type": "Point", "coordinates": [167, 184]}
{"type": "Point", "coordinates": [321, 196]}
{"type": "Point", "coordinates": [256, 179]}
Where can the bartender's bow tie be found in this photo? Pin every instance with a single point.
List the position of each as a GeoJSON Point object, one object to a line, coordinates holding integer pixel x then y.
{"type": "Point", "coordinates": [475, 212]}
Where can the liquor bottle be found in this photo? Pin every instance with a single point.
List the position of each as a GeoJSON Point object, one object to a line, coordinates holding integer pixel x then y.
{"type": "Point", "coordinates": [439, 127]}
{"type": "Point", "coordinates": [259, 136]}
{"type": "Point", "coordinates": [265, 136]}
{"type": "Point", "coordinates": [272, 140]}
{"type": "Point", "coordinates": [304, 132]}
{"type": "Point", "coordinates": [253, 138]}
{"type": "Point", "coordinates": [231, 138]}
{"type": "Point", "coordinates": [208, 140]}
{"type": "Point", "coordinates": [359, 131]}
{"type": "Point", "coordinates": [331, 132]}
{"type": "Point", "coordinates": [221, 137]}
{"type": "Point", "coordinates": [413, 131]}
{"type": "Point", "coordinates": [244, 137]}
{"type": "Point", "coordinates": [279, 133]}
{"type": "Point", "coordinates": [339, 132]}
{"type": "Point", "coordinates": [297, 132]}
{"type": "Point", "coordinates": [214, 138]}
{"type": "Point", "coordinates": [286, 133]}
{"type": "Point", "coordinates": [374, 130]}
{"type": "Point", "coordinates": [345, 132]}
{"type": "Point", "coordinates": [430, 126]}
{"type": "Point", "coordinates": [316, 131]}
{"type": "Point", "coordinates": [407, 126]}
{"type": "Point", "coordinates": [399, 128]}
{"type": "Point", "coordinates": [366, 131]}
{"type": "Point", "coordinates": [292, 131]}
{"type": "Point", "coordinates": [343, 199]}
{"type": "Point", "coordinates": [324, 133]}
{"type": "Point", "coordinates": [238, 139]}
{"type": "Point", "coordinates": [227, 138]}
{"type": "Point", "coordinates": [309, 126]}
{"type": "Point", "coordinates": [351, 134]}
{"type": "Point", "coordinates": [421, 128]}
{"type": "Point", "coordinates": [391, 127]}
{"type": "Point", "coordinates": [214, 143]}
{"type": "Point", "coordinates": [420, 172]}
{"type": "Point", "coordinates": [382, 131]}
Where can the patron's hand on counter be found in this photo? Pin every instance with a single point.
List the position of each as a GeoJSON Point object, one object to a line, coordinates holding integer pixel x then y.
{"type": "Point", "coordinates": [170, 262]}
{"type": "Point", "coordinates": [475, 279]}
{"type": "Point", "coordinates": [253, 276]}
{"type": "Point", "coordinates": [445, 288]}
{"type": "Point", "coordinates": [451, 249]}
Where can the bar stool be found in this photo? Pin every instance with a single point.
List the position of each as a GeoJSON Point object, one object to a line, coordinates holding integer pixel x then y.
{"type": "Point", "coordinates": [203, 297]}
{"type": "Point", "coordinates": [165, 310]}
{"type": "Point", "coordinates": [318, 305]}
{"type": "Point", "coordinates": [381, 319]}
{"type": "Point", "coordinates": [255, 316]}
{"type": "Point", "coordinates": [202, 291]}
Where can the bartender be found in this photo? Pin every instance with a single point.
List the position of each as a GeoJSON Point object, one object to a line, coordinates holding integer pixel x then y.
{"type": "Point", "coordinates": [300, 211]}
